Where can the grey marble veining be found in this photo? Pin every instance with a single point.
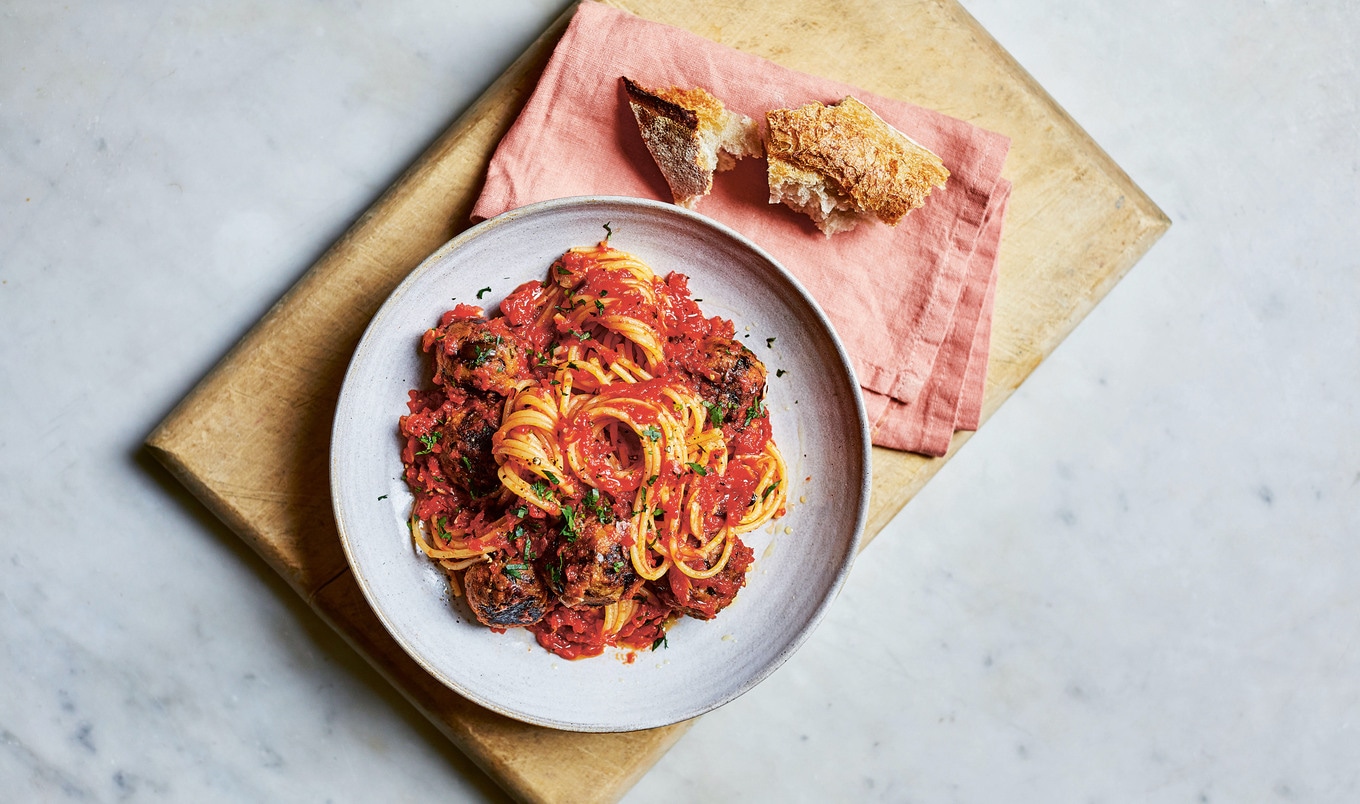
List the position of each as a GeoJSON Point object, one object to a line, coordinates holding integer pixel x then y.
{"type": "Point", "coordinates": [1135, 584]}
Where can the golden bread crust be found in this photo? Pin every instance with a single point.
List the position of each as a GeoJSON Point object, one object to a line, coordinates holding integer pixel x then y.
{"type": "Point", "coordinates": [690, 134]}
{"type": "Point", "coordinates": [869, 167]}
{"type": "Point", "coordinates": [671, 133]}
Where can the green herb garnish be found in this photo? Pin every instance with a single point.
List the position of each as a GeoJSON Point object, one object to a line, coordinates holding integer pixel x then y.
{"type": "Point", "coordinates": [715, 413]}
{"type": "Point", "coordinates": [699, 470]}
{"type": "Point", "coordinates": [752, 412]}
{"type": "Point", "coordinates": [598, 506]}
{"type": "Point", "coordinates": [483, 291]}
{"type": "Point", "coordinates": [660, 643]}
{"type": "Point", "coordinates": [769, 489]}
{"type": "Point", "coordinates": [569, 518]}
{"type": "Point", "coordinates": [429, 441]}
{"type": "Point", "coordinates": [652, 432]}
{"type": "Point", "coordinates": [516, 571]}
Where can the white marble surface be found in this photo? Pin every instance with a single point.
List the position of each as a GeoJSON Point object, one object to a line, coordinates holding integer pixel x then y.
{"type": "Point", "coordinates": [1137, 583]}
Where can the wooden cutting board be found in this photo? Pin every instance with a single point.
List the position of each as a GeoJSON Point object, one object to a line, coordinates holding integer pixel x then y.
{"type": "Point", "coordinates": [252, 439]}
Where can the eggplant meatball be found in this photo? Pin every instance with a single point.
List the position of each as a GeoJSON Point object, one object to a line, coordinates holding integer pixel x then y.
{"type": "Point", "coordinates": [730, 377]}
{"type": "Point", "coordinates": [703, 598]}
{"type": "Point", "coordinates": [505, 594]}
{"type": "Point", "coordinates": [465, 439]}
{"type": "Point", "coordinates": [473, 353]}
{"type": "Point", "coordinates": [595, 566]}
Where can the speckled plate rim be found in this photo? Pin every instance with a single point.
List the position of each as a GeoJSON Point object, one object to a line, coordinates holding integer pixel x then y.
{"type": "Point", "coordinates": [345, 415]}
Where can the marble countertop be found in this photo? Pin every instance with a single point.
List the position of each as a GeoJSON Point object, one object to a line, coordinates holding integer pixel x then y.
{"type": "Point", "coordinates": [1136, 583]}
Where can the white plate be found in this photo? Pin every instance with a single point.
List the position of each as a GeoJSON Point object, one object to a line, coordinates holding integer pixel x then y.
{"type": "Point", "coordinates": [818, 422]}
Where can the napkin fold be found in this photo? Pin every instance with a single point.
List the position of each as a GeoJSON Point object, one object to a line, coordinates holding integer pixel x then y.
{"type": "Point", "coordinates": [912, 303]}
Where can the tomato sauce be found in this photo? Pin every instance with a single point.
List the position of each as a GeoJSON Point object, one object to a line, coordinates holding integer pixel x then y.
{"type": "Point", "coordinates": [576, 306]}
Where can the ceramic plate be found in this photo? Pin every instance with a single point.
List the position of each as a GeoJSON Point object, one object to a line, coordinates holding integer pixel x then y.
{"type": "Point", "coordinates": [818, 422]}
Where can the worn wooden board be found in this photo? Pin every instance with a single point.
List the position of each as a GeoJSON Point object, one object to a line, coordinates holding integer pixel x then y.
{"type": "Point", "coordinates": [252, 439]}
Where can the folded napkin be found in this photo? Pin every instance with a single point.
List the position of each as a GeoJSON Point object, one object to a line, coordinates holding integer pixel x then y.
{"type": "Point", "coordinates": [912, 303]}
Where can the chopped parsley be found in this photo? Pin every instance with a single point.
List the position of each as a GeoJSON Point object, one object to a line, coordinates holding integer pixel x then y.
{"type": "Point", "coordinates": [569, 523]}
{"type": "Point", "coordinates": [518, 533]}
{"type": "Point", "coordinates": [552, 478]}
{"type": "Point", "coordinates": [428, 441]}
{"type": "Point", "coordinates": [599, 305]}
{"type": "Point", "coordinates": [618, 567]}
{"type": "Point", "coordinates": [516, 571]}
{"type": "Point", "coordinates": [541, 490]}
{"type": "Point", "coordinates": [482, 352]}
{"type": "Point", "coordinates": [716, 413]}
{"type": "Point", "coordinates": [780, 372]}
{"type": "Point", "coordinates": [652, 432]}
{"type": "Point", "coordinates": [651, 481]}
{"type": "Point", "coordinates": [660, 643]}
{"type": "Point", "coordinates": [752, 412]}
{"type": "Point", "coordinates": [598, 506]}
{"type": "Point", "coordinates": [467, 463]}
{"type": "Point", "coordinates": [521, 512]}
{"type": "Point", "coordinates": [582, 335]}
{"type": "Point", "coordinates": [383, 497]}
{"type": "Point", "coordinates": [483, 291]}
{"type": "Point", "coordinates": [608, 231]}
{"type": "Point", "coordinates": [769, 489]}
{"type": "Point", "coordinates": [698, 470]}
{"type": "Point", "coordinates": [555, 573]}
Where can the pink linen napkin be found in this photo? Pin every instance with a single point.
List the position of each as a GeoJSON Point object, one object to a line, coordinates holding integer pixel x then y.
{"type": "Point", "coordinates": [912, 303]}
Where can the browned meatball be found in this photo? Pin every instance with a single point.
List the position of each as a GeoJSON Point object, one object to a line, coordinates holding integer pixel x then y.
{"type": "Point", "coordinates": [505, 594]}
{"type": "Point", "coordinates": [465, 441]}
{"type": "Point", "coordinates": [704, 598]}
{"type": "Point", "coordinates": [595, 568]}
{"type": "Point", "coordinates": [473, 353]}
{"type": "Point", "coordinates": [731, 378]}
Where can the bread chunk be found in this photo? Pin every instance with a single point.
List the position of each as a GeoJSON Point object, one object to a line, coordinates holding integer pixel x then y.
{"type": "Point", "coordinates": [691, 135]}
{"type": "Point", "coordinates": [842, 164]}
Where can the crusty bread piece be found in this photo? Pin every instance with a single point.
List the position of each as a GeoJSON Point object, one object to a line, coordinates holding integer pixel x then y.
{"type": "Point", "coordinates": [690, 135]}
{"type": "Point", "coordinates": [842, 164]}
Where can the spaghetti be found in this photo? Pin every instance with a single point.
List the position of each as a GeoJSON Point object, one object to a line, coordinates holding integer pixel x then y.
{"type": "Point", "coordinates": [586, 462]}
